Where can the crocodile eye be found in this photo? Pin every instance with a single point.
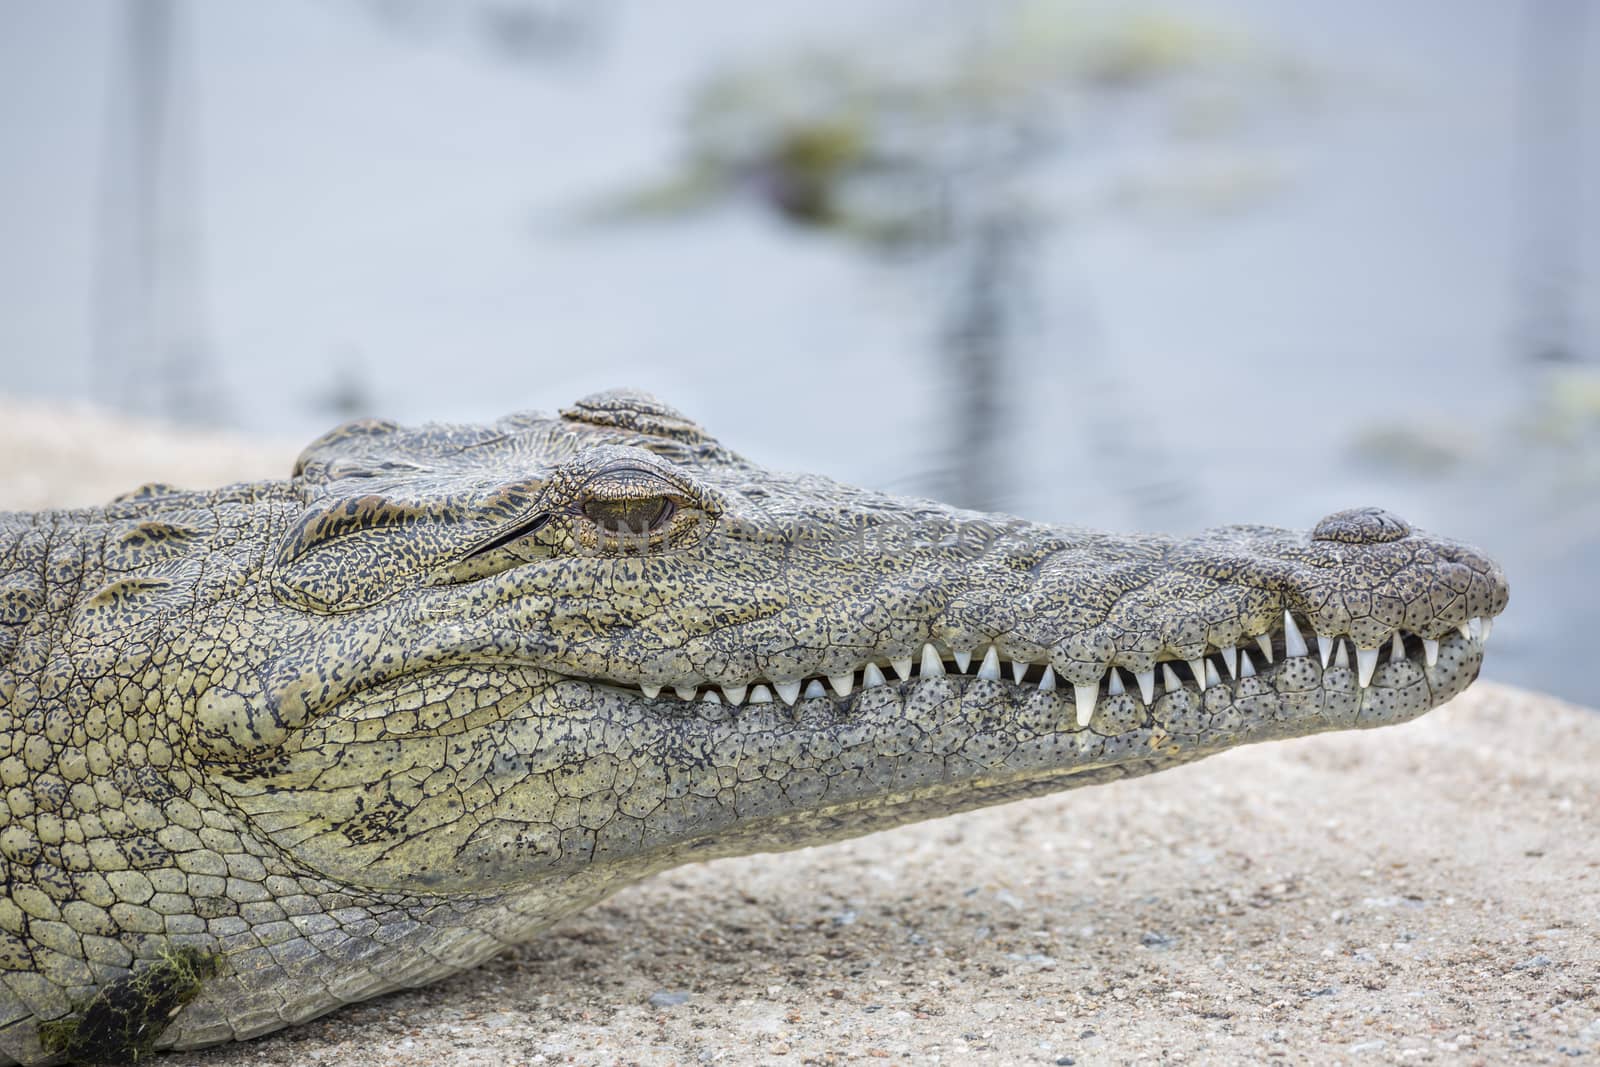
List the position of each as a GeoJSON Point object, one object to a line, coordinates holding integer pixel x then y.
{"type": "Point", "coordinates": [629, 515]}
{"type": "Point", "coordinates": [635, 505]}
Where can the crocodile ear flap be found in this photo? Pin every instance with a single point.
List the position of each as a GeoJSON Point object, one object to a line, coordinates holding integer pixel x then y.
{"type": "Point", "coordinates": [635, 411]}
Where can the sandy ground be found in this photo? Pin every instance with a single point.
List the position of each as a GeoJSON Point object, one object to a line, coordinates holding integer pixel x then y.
{"type": "Point", "coordinates": [72, 457]}
{"type": "Point", "coordinates": [1428, 893]}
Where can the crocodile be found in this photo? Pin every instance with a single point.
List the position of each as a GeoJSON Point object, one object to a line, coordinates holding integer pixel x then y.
{"type": "Point", "coordinates": [278, 747]}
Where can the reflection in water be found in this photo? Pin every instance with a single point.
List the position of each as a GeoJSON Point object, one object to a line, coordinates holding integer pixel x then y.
{"type": "Point", "coordinates": [1551, 126]}
{"type": "Point", "coordinates": [979, 360]}
{"type": "Point", "coordinates": [152, 354]}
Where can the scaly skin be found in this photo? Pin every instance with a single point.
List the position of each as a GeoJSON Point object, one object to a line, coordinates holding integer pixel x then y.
{"type": "Point", "coordinates": [278, 747]}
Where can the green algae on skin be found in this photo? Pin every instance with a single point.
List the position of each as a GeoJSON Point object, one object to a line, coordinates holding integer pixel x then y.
{"type": "Point", "coordinates": [126, 1018]}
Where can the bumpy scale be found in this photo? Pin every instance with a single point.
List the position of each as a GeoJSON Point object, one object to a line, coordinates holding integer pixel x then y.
{"type": "Point", "coordinates": [278, 747]}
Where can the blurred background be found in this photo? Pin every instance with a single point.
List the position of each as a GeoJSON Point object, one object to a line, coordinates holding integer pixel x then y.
{"type": "Point", "coordinates": [1133, 265]}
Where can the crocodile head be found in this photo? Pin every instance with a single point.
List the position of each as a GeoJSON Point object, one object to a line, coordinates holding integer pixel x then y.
{"type": "Point", "coordinates": [484, 658]}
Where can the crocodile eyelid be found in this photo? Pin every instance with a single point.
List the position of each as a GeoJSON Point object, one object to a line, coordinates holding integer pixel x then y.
{"type": "Point", "coordinates": [629, 475]}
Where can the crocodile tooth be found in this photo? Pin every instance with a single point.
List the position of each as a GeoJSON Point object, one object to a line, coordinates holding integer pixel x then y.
{"type": "Point", "coordinates": [1018, 669]}
{"type": "Point", "coordinates": [843, 683]}
{"type": "Point", "coordinates": [1247, 666]}
{"type": "Point", "coordinates": [963, 661]}
{"type": "Point", "coordinates": [990, 667]}
{"type": "Point", "coordinates": [1475, 626]}
{"type": "Point", "coordinates": [902, 667]}
{"type": "Point", "coordinates": [1264, 642]}
{"type": "Point", "coordinates": [1230, 660]}
{"type": "Point", "coordinates": [1085, 695]}
{"type": "Point", "coordinates": [1488, 624]}
{"type": "Point", "coordinates": [932, 665]}
{"type": "Point", "coordinates": [1199, 670]}
{"type": "Point", "coordinates": [1325, 646]}
{"type": "Point", "coordinates": [1430, 651]}
{"type": "Point", "coordinates": [710, 697]}
{"type": "Point", "coordinates": [871, 676]}
{"type": "Point", "coordinates": [1397, 648]}
{"type": "Point", "coordinates": [814, 690]}
{"type": "Point", "coordinates": [1169, 678]}
{"type": "Point", "coordinates": [1341, 654]}
{"type": "Point", "coordinates": [1114, 682]}
{"type": "Point", "coordinates": [1366, 663]}
{"type": "Point", "coordinates": [1048, 681]}
{"type": "Point", "coordinates": [1464, 630]}
{"type": "Point", "coordinates": [685, 692]}
{"type": "Point", "coordinates": [1212, 677]}
{"type": "Point", "coordinates": [1147, 685]}
{"type": "Point", "coordinates": [789, 691]}
{"type": "Point", "coordinates": [651, 691]}
{"type": "Point", "coordinates": [1293, 643]}
{"type": "Point", "coordinates": [734, 694]}
{"type": "Point", "coordinates": [760, 694]}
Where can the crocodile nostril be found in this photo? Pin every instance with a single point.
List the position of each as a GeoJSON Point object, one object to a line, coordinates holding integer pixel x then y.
{"type": "Point", "coordinates": [1362, 526]}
